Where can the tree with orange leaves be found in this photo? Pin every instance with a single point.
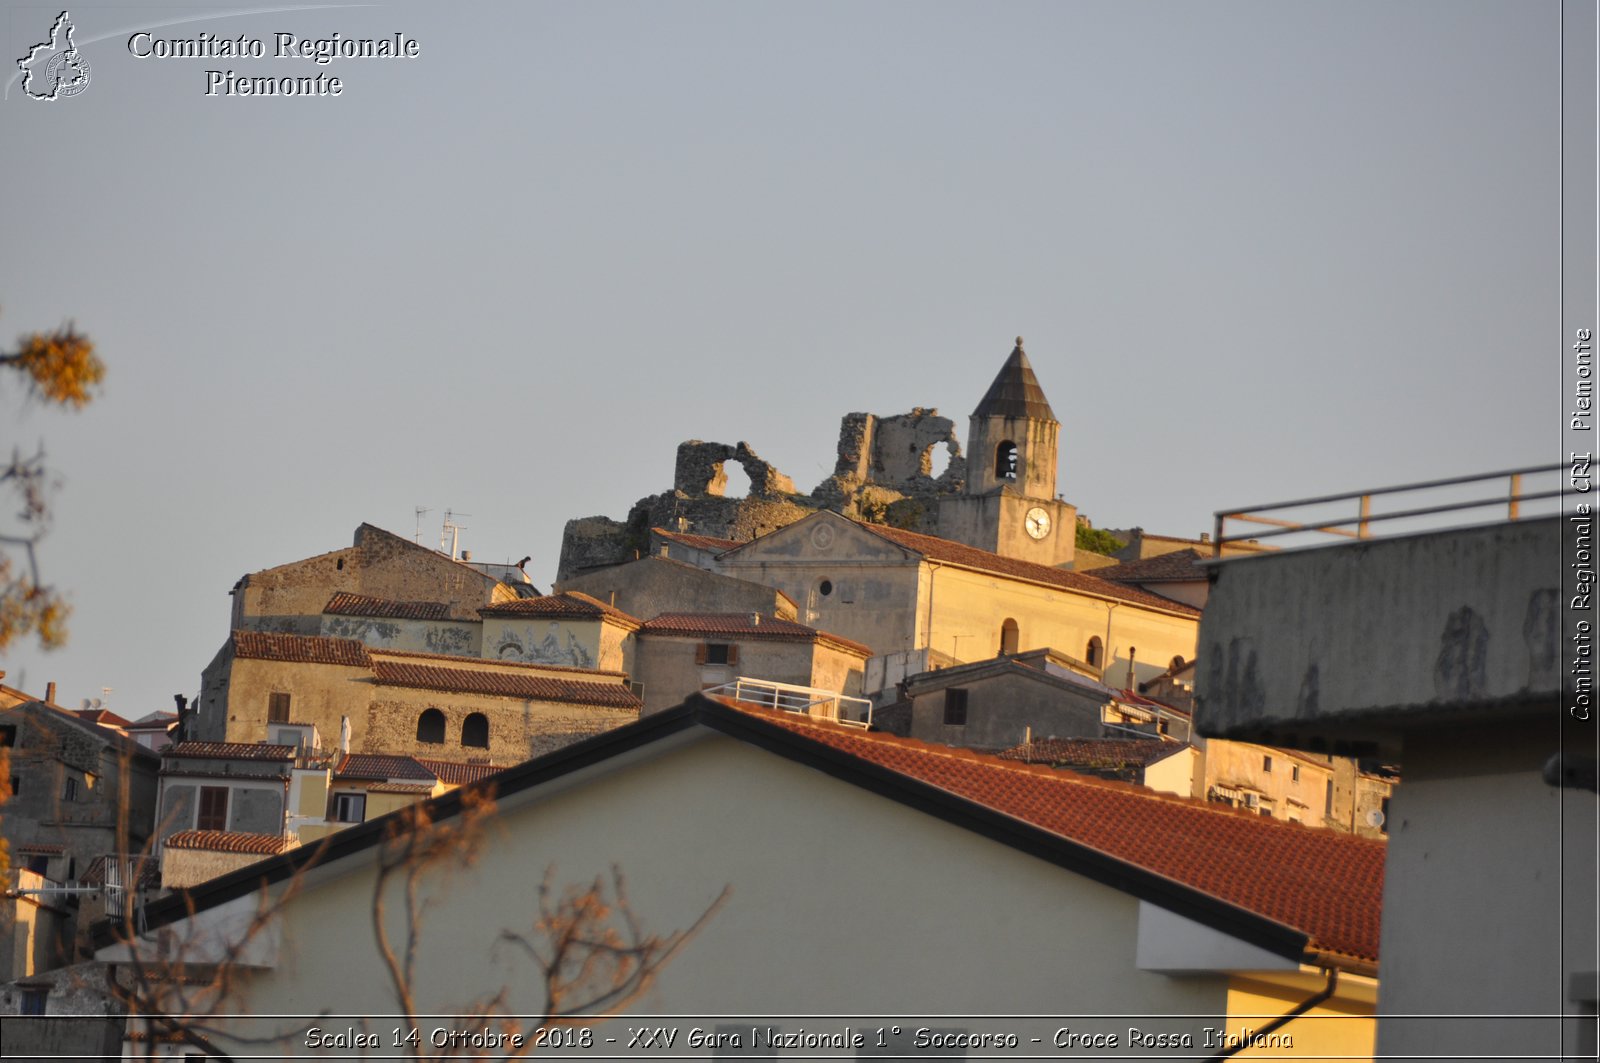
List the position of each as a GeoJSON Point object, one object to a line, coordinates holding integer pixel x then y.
{"type": "Point", "coordinates": [60, 369]}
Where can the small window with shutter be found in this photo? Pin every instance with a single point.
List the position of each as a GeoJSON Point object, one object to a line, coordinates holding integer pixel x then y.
{"type": "Point", "coordinates": [277, 708]}
{"type": "Point", "coordinates": [716, 653]}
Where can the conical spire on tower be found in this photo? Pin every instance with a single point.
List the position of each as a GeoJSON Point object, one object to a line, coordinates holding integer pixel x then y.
{"type": "Point", "coordinates": [1015, 391]}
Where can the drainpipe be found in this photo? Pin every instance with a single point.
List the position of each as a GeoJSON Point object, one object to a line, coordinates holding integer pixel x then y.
{"type": "Point", "coordinates": [1105, 651]}
{"type": "Point", "coordinates": [1285, 1019]}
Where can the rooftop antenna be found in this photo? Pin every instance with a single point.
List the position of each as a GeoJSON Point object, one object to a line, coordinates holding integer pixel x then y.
{"type": "Point", "coordinates": [417, 538]}
{"type": "Point", "coordinates": [451, 533]}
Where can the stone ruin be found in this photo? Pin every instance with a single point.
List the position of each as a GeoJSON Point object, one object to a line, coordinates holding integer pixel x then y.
{"type": "Point", "coordinates": [883, 475]}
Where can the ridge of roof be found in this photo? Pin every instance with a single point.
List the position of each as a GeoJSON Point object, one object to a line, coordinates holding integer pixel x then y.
{"type": "Point", "coordinates": [456, 660]}
{"type": "Point", "coordinates": [504, 684]}
{"type": "Point", "coordinates": [1015, 391]}
{"type": "Point", "coordinates": [226, 841]}
{"type": "Point", "coordinates": [232, 750]}
{"type": "Point", "coordinates": [954, 553]}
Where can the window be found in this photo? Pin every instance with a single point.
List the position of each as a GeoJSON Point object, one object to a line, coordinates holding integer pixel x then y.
{"type": "Point", "coordinates": [277, 708]}
{"type": "Point", "coordinates": [1005, 461]}
{"type": "Point", "coordinates": [825, 588]}
{"type": "Point", "coordinates": [955, 707]}
{"type": "Point", "coordinates": [430, 727]}
{"type": "Point", "coordinates": [33, 999]}
{"type": "Point", "coordinates": [213, 813]}
{"type": "Point", "coordinates": [1327, 800]}
{"type": "Point", "coordinates": [1294, 773]}
{"type": "Point", "coordinates": [1093, 652]}
{"type": "Point", "coordinates": [475, 731]}
{"type": "Point", "coordinates": [1008, 636]}
{"type": "Point", "coordinates": [16, 785]}
{"type": "Point", "coordinates": [349, 808]}
{"type": "Point", "coordinates": [39, 864]}
{"type": "Point", "coordinates": [70, 791]}
{"type": "Point", "coordinates": [1266, 765]}
{"type": "Point", "coordinates": [716, 653]}
{"type": "Point", "coordinates": [8, 736]}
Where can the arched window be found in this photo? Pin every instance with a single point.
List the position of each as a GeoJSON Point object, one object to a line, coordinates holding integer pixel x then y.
{"type": "Point", "coordinates": [1094, 653]}
{"type": "Point", "coordinates": [1005, 461]}
{"type": "Point", "coordinates": [475, 731]}
{"type": "Point", "coordinates": [1008, 636]}
{"type": "Point", "coordinates": [430, 727]}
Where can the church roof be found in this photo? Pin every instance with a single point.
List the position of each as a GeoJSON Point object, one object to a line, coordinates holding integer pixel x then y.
{"type": "Point", "coordinates": [1015, 392]}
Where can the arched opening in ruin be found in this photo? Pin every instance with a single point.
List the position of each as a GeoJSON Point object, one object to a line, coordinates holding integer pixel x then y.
{"type": "Point", "coordinates": [1005, 461]}
{"type": "Point", "coordinates": [938, 459]}
{"type": "Point", "coordinates": [737, 484]}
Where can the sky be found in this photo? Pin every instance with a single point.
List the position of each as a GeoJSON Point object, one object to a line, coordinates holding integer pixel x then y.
{"type": "Point", "coordinates": [1258, 251]}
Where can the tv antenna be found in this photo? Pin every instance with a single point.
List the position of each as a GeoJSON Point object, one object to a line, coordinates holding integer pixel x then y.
{"type": "Point", "coordinates": [417, 538]}
{"type": "Point", "coordinates": [450, 534]}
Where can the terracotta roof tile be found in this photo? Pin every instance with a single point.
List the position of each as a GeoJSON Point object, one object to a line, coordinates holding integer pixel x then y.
{"type": "Point", "coordinates": [227, 841]}
{"type": "Point", "coordinates": [1091, 752]}
{"type": "Point", "coordinates": [1180, 565]}
{"type": "Point", "coordinates": [456, 774]}
{"type": "Point", "coordinates": [103, 717]}
{"type": "Point", "coordinates": [302, 649]}
{"type": "Point", "coordinates": [42, 848]}
{"type": "Point", "coordinates": [1325, 884]}
{"type": "Point", "coordinates": [568, 604]}
{"type": "Point", "coordinates": [345, 604]}
{"type": "Point", "coordinates": [696, 542]}
{"type": "Point", "coordinates": [458, 660]}
{"type": "Point", "coordinates": [982, 560]}
{"type": "Point", "coordinates": [422, 789]}
{"type": "Point", "coordinates": [741, 626]}
{"type": "Point", "coordinates": [503, 684]}
{"type": "Point", "coordinates": [380, 766]}
{"type": "Point", "coordinates": [232, 750]}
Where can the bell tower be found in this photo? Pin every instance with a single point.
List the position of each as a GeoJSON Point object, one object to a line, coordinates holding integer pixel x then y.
{"type": "Point", "coordinates": [1011, 441]}
{"type": "Point", "coordinates": [1010, 506]}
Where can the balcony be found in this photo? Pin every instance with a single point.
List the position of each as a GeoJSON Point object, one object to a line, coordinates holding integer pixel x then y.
{"type": "Point", "coordinates": [805, 701]}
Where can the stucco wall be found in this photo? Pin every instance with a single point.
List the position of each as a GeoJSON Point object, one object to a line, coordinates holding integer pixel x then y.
{"type": "Point", "coordinates": [667, 668]}
{"type": "Point", "coordinates": [458, 638]}
{"type": "Point", "coordinates": [253, 807]}
{"type": "Point", "coordinates": [566, 643]}
{"type": "Point", "coordinates": [819, 920]}
{"type": "Point", "coordinates": [1000, 711]}
{"type": "Point", "coordinates": [968, 609]}
{"type": "Point", "coordinates": [318, 693]}
{"type": "Point", "coordinates": [1243, 764]}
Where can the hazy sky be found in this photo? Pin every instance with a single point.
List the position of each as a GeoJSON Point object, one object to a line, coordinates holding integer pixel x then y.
{"type": "Point", "coordinates": [1258, 250]}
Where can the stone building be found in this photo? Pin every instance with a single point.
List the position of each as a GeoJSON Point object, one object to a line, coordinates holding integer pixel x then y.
{"type": "Point", "coordinates": [426, 704]}
{"type": "Point", "coordinates": [292, 598]}
{"type": "Point", "coordinates": [662, 583]}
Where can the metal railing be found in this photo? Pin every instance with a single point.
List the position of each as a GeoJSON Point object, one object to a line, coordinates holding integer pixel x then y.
{"type": "Point", "coordinates": [1440, 513]}
{"type": "Point", "coordinates": [806, 701]}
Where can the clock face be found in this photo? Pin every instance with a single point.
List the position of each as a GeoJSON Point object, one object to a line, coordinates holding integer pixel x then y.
{"type": "Point", "coordinates": [1037, 523]}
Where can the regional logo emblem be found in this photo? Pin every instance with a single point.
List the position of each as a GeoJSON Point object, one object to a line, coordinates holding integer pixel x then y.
{"type": "Point", "coordinates": [55, 69]}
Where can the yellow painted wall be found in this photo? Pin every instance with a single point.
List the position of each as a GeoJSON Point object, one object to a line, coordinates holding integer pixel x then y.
{"type": "Point", "coordinates": [1344, 1026]}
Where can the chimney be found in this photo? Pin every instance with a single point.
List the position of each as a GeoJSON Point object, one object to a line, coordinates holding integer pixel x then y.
{"type": "Point", "coordinates": [755, 619]}
{"type": "Point", "coordinates": [1131, 651]}
{"type": "Point", "coordinates": [49, 692]}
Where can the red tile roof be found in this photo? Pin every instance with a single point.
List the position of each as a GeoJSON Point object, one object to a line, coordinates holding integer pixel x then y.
{"type": "Point", "coordinates": [380, 766]}
{"type": "Point", "coordinates": [455, 774]}
{"type": "Point", "coordinates": [1092, 752]}
{"type": "Point", "coordinates": [503, 684]}
{"type": "Point", "coordinates": [103, 717]}
{"type": "Point", "coordinates": [458, 660]}
{"type": "Point", "coordinates": [971, 557]}
{"type": "Point", "coordinates": [574, 605]}
{"type": "Point", "coordinates": [302, 649]}
{"type": "Point", "coordinates": [345, 604]}
{"type": "Point", "coordinates": [424, 789]}
{"type": "Point", "coordinates": [741, 626]}
{"type": "Point", "coordinates": [1327, 885]}
{"type": "Point", "coordinates": [697, 542]}
{"type": "Point", "coordinates": [226, 841]}
{"type": "Point", "coordinates": [232, 751]}
{"type": "Point", "coordinates": [1178, 566]}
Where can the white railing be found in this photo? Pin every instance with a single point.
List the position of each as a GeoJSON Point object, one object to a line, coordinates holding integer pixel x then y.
{"type": "Point", "coordinates": [806, 701]}
{"type": "Point", "coordinates": [1435, 505]}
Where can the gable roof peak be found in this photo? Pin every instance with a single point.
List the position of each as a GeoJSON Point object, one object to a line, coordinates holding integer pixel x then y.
{"type": "Point", "coordinates": [1015, 391]}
